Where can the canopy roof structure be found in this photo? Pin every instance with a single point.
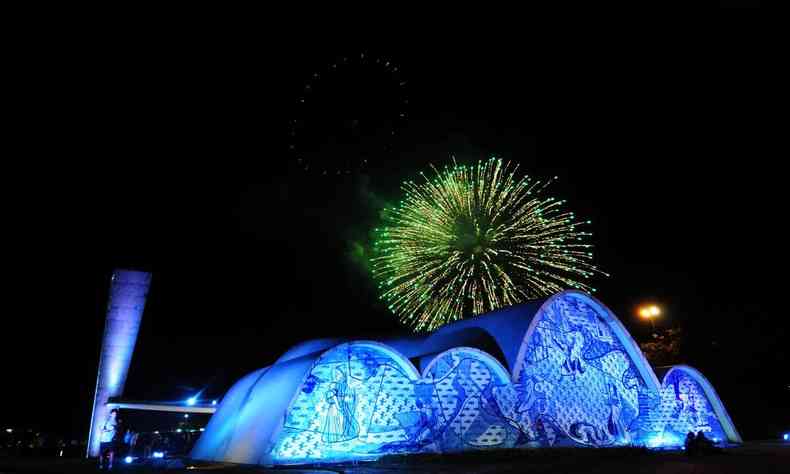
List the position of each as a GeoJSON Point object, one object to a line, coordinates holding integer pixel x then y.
{"type": "Point", "coordinates": [561, 371]}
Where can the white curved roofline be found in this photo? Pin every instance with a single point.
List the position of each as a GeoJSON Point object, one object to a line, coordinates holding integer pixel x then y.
{"type": "Point", "coordinates": [713, 398]}
{"type": "Point", "coordinates": [631, 347]}
{"type": "Point", "coordinates": [501, 371]}
{"type": "Point", "coordinates": [402, 360]}
{"type": "Point", "coordinates": [308, 347]}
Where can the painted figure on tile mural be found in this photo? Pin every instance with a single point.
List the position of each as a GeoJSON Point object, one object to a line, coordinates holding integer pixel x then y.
{"type": "Point", "coordinates": [615, 425]}
{"type": "Point", "coordinates": [572, 346]}
{"type": "Point", "coordinates": [587, 433]}
{"type": "Point", "coordinates": [602, 328]}
{"type": "Point", "coordinates": [370, 364]}
{"type": "Point", "coordinates": [340, 423]}
{"type": "Point", "coordinates": [420, 426]}
{"type": "Point", "coordinates": [424, 432]}
{"type": "Point", "coordinates": [681, 409]}
{"type": "Point", "coordinates": [687, 408]}
{"type": "Point", "coordinates": [533, 399]}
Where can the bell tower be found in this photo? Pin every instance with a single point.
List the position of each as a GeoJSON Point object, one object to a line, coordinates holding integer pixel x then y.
{"type": "Point", "coordinates": [128, 290]}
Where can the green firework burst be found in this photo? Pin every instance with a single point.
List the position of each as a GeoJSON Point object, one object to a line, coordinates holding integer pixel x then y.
{"type": "Point", "coordinates": [472, 239]}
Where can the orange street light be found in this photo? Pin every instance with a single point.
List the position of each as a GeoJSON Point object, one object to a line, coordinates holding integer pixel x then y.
{"type": "Point", "coordinates": [650, 312]}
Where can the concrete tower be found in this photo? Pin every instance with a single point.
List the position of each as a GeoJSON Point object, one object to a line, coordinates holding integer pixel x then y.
{"type": "Point", "coordinates": [128, 290]}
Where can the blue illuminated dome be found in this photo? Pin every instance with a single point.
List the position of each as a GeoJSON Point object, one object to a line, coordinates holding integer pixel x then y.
{"type": "Point", "coordinates": [562, 371]}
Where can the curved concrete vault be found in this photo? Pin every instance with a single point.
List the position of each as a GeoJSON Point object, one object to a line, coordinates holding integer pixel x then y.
{"type": "Point", "coordinates": [562, 371]}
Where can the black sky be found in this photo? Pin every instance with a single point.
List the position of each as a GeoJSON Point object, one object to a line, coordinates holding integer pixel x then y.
{"type": "Point", "coordinates": [171, 156]}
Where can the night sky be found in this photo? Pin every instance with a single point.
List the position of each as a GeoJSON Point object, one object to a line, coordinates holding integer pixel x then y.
{"type": "Point", "coordinates": [173, 157]}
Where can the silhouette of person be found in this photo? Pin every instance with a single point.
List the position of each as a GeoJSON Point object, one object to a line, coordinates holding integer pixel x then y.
{"type": "Point", "coordinates": [690, 443]}
{"type": "Point", "coordinates": [109, 433]}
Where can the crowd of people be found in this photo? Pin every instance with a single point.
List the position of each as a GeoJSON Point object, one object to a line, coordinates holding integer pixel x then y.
{"type": "Point", "coordinates": [33, 443]}
{"type": "Point", "coordinates": [119, 441]}
{"type": "Point", "coordinates": [697, 444]}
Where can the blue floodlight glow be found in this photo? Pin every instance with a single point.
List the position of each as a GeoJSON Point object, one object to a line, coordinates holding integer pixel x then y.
{"type": "Point", "coordinates": [128, 459]}
{"type": "Point", "coordinates": [191, 401]}
{"type": "Point", "coordinates": [178, 430]}
{"type": "Point", "coordinates": [562, 372]}
{"type": "Point", "coordinates": [128, 290]}
{"type": "Point", "coordinates": [786, 436]}
{"type": "Point", "coordinates": [664, 440]}
{"type": "Point", "coordinates": [213, 402]}
{"type": "Point", "coordinates": [186, 415]}
{"type": "Point", "coordinates": [159, 454]}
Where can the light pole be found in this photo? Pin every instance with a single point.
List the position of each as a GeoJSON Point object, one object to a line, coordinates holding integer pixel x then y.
{"type": "Point", "coordinates": [650, 312]}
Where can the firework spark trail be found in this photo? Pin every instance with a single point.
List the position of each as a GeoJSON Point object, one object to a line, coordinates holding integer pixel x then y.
{"type": "Point", "coordinates": [472, 239]}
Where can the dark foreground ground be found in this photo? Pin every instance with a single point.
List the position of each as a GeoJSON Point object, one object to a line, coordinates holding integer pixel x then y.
{"type": "Point", "coordinates": [752, 458]}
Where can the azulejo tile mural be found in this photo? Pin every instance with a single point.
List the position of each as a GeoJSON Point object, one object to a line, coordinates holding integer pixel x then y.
{"type": "Point", "coordinates": [577, 380]}
{"type": "Point", "coordinates": [577, 383]}
{"type": "Point", "coordinates": [684, 407]}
